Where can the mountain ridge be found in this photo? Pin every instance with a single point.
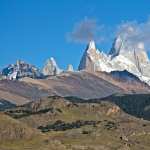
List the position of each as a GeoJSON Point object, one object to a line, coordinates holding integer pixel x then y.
{"type": "Point", "coordinates": [122, 56]}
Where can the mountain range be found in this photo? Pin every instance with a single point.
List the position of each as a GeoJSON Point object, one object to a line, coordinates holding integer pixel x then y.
{"type": "Point", "coordinates": [123, 70]}
{"type": "Point", "coordinates": [123, 56]}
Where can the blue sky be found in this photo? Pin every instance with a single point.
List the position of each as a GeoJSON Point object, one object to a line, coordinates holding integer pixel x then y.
{"type": "Point", "coordinates": [34, 30]}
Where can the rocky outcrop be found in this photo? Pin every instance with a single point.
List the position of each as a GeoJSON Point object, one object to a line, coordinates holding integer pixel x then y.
{"type": "Point", "coordinates": [51, 67]}
{"type": "Point", "coordinates": [113, 110]}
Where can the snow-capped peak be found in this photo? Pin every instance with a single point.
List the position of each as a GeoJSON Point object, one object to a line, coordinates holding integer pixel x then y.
{"type": "Point", "coordinates": [51, 67]}
{"type": "Point", "coordinates": [91, 45]}
{"type": "Point", "coordinates": [52, 60]}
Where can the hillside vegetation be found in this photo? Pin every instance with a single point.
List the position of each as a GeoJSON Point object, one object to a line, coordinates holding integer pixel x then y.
{"type": "Point", "coordinates": [69, 124]}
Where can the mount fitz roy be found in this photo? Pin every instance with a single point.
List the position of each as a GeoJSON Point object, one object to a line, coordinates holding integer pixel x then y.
{"type": "Point", "coordinates": [123, 57]}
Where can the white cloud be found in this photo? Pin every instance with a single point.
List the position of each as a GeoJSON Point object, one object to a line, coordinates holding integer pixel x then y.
{"type": "Point", "coordinates": [135, 33]}
{"type": "Point", "coordinates": [86, 30]}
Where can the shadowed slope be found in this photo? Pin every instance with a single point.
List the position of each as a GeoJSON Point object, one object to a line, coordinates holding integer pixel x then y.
{"type": "Point", "coordinates": [137, 105]}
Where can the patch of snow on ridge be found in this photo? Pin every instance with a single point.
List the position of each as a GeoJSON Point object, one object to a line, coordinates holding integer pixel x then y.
{"type": "Point", "coordinates": [91, 45]}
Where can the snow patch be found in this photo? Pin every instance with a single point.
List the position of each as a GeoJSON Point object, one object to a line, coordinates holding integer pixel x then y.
{"type": "Point", "coordinates": [91, 45]}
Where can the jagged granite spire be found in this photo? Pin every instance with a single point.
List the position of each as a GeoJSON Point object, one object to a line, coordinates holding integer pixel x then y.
{"type": "Point", "coordinates": [92, 59]}
{"type": "Point", "coordinates": [91, 45]}
{"type": "Point", "coordinates": [86, 61]}
{"type": "Point", "coordinates": [51, 67]}
{"type": "Point", "coordinates": [70, 68]}
{"type": "Point", "coordinates": [117, 46]}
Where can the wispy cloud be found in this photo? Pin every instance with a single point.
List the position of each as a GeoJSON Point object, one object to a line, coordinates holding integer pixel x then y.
{"type": "Point", "coordinates": [86, 30]}
{"type": "Point", "coordinates": [134, 32]}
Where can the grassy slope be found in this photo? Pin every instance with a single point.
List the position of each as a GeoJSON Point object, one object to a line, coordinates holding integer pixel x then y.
{"type": "Point", "coordinates": [15, 135]}
{"type": "Point", "coordinates": [127, 132]}
{"type": "Point", "coordinates": [35, 143]}
{"type": "Point", "coordinates": [13, 129]}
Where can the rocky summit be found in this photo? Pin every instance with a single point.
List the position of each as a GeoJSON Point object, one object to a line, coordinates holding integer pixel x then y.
{"type": "Point", "coordinates": [70, 68]}
{"type": "Point", "coordinates": [19, 70]}
{"type": "Point", "coordinates": [51, 67]}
